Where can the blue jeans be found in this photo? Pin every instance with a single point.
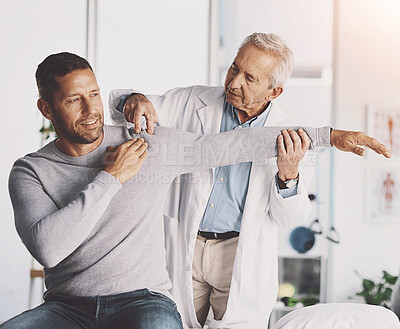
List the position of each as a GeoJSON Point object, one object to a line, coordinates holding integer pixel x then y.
{"type": "Point", "coordinates": [139, 309]}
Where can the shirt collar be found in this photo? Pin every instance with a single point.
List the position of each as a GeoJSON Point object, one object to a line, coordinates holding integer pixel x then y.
{"type": "Point", "coordinates": [257, 121]}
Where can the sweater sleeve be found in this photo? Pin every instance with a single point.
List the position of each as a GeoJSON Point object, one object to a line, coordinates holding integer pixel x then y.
{"type": "Point", "coordinates": [184, 152]}
{"type": "Point", "coordinates": [51, 234]}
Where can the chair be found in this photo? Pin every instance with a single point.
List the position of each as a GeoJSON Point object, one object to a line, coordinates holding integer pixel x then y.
{"type": "Point", "coordinates": [36, 272]}
{"type": "Point", "coordinates": [339, 316]}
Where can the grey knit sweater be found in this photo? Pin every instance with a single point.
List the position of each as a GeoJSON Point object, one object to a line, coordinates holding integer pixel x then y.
{"type": "Point", "coordinates": [95, 236]}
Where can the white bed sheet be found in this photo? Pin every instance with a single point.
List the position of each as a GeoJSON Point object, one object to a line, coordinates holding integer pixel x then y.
{"type": "Point", "coordinates": [339, 316]}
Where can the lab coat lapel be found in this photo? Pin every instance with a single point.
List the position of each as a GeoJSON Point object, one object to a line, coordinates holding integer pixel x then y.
{"type": "Point", "coordinates": [260, 175]}
{"type": "Point", "coordinates": [211, 114]}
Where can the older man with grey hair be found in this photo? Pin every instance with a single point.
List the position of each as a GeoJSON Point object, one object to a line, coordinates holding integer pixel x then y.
{"type": "Point", "coordinates": [221, 225]}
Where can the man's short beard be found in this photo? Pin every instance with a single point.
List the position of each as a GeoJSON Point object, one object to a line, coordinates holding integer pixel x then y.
{"type": "Point", "coordinates": [83, 137]}
{"type": "Point", "coordinates": [75, 135]}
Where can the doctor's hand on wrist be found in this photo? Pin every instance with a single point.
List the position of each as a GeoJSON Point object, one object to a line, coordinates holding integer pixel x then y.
{"type": "Point", "coordinates": [135, 107]}
{"type": "Point", "coordinates": [351, 141]}
{"type": "Point", "coordinates": [292, 146]}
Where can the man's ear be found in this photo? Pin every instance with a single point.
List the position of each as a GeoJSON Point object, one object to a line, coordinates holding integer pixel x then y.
{"type": "Point", "coordinates": [44, 108]}
{"type": "Point", "coordinates": [277, 91]}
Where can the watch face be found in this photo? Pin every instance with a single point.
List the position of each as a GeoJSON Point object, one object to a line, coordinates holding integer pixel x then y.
{"type": "Point", "coordinates": [291, 183]}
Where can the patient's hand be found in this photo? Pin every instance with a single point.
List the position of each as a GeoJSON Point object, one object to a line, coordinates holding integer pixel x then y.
{"type": "Point", "coordinates": [350, 141]}
{"type": "Point", "coordinates": [125, 161]}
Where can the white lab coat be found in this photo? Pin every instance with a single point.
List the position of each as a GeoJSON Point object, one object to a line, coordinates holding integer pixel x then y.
{"type": "Point", "coordinates": [254, 283]}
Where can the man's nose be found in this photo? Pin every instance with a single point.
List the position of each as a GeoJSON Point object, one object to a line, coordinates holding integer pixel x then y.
{"type": "Point", "coordinates": [89, 106]}
{"type": "Point", "coordinates": [236, 82]}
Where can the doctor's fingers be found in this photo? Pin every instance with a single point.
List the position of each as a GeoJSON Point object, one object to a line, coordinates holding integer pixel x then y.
{"type": "Point", "coordinates": [135, 107]}
{"type": "Point", "coordinates": [306, 141]}
{"type": "Point", "coordinates": [150, 121]}
{"type": "Point", "coordinates": [296, 140]}
{"type": "Point", "coordinates": [281, 145]}
{"type": "Point", "coordinates": [288, 141]}
{"type": "Point", "coordinates": [147, 110]}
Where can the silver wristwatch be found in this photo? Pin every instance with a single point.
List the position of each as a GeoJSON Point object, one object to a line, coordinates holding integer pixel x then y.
{"type": "Point", "coordinates": [287, 184]}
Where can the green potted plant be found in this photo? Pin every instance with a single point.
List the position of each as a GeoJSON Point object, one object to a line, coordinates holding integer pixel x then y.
{"type": "Point", "coordinates": [47, 130]}
{"type": "Point", "coordinates": [378, 293]}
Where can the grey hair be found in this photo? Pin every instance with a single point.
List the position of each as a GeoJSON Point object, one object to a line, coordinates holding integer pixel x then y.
{"type": "Point", "coordinates": [275, 46]}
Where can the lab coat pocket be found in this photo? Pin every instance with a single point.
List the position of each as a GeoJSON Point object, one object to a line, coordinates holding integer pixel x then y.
{"type": "Point", "coordinates": [173, 243]}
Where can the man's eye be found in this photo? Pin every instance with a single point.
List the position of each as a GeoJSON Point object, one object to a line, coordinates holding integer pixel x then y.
{"type": "Point", "coordinates": [72, 100]}
{"type": "Point", "coordinates": [250, 79]}
{"type": "Point", "coordinates": [94, 94]}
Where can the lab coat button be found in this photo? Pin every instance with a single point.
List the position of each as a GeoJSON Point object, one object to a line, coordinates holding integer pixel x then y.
{"type": "Point", "coordinates": [192, 236]}
{"type": "Point", "coordinates": [187, 267]}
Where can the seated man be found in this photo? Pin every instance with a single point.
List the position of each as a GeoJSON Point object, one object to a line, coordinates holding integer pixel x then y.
{"type": "Point", "coordinates": [88, 206]}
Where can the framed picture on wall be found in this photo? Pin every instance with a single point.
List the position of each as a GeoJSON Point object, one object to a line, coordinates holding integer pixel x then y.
{"type": "Point", "coordinates": [383, 123]}
{"type": "Point", "coordinates": [383, 194]}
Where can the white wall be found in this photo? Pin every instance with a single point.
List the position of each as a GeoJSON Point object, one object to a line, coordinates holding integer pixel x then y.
{"type": "Point", "coordinates": [29, 31]}
{"type": "Point", "coordinates": [295, 21]}
{"type": "Point", "coordinates": [367, 71]}
{"type": "Point", "coordinates": [151, 45]}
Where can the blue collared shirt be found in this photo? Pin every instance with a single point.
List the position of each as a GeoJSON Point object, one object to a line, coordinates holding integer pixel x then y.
{"type": "Point", "coordinates": [224, 209]}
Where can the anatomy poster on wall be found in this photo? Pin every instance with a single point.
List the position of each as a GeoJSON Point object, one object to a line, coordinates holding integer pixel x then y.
{"type": "Point", "coordinates": [383, 195]}
{"type": "Point", "coordinates": [384, 125]}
